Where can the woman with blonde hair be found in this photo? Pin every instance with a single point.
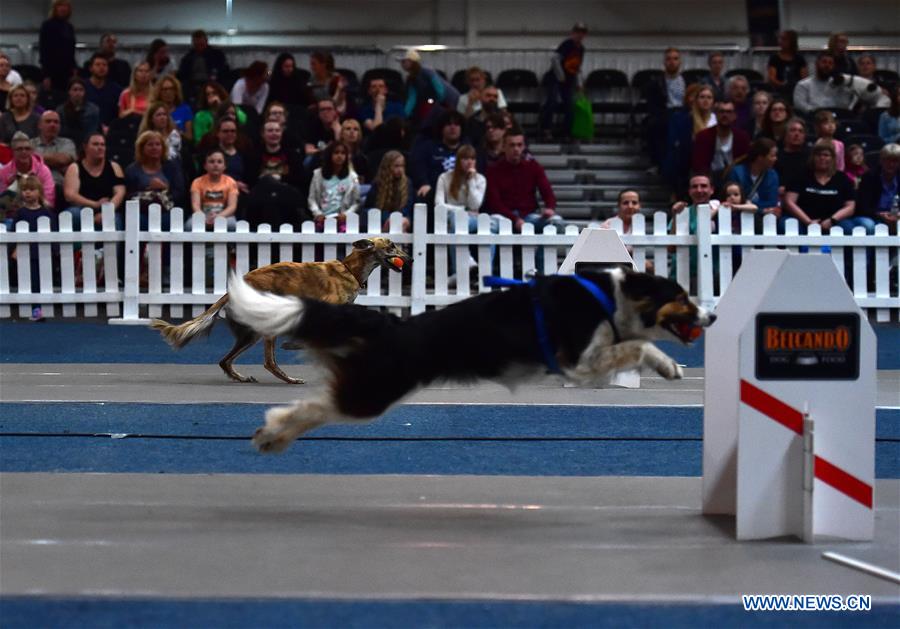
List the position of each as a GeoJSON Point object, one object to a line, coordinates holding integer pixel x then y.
{"type": "Point", "coordinates": [157, 118]}
{"type": "Point", "coordinates": [135, 98]}
{"type": "Point", "coordinates": [152, 178]}
{"type": "Point", "coordinates": [702, 109]}
{"type": "Point", "coordinates": [392, 190]}
{"type": "Point", "coordinates": [167, 91]}
{"type": "Point", "coordinates": [19, 115]}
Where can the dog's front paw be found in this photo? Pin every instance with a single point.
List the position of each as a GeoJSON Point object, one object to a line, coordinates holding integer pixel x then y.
{"type": "Point", "coordinates": [670, 370]}
{"type": "Point", "coordinates": [274, 436]}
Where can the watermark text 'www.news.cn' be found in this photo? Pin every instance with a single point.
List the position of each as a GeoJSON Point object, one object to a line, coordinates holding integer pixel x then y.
{"type": "Point", "coordinates": [807, 602]}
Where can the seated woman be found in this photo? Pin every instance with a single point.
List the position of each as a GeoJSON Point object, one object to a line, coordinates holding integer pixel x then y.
{"type": "Point", "coordinates": [152, 178]}
{"type": "Point", "coordinates": [135, 98]}
{"type": "Point", "coordinates": [19, 115]}
{"type": "Point", "coordinates": [758, 180]}
{"type": "Point", "coordinates": [157, 118]}
{"type": "Point", "coordinates": [351, 135]}
{"type": "Point", "coordinates": [25, 162]}
{"type": "Point", "coordinates": [392, 190]}
{"type": "Point", "coordinates": [214, 194]}
{"type": "Point", "coordinates": [775, 122]}
{"type": "Point", "coordinates": [287, 85]}
{"type": "Point", "coordinates": [824, 195]}
{"type": "Point", "coordinates": [168, 92]}
{"type": "Point", "coordinates": [628, 205]}
{"type": "Point", "coordinates": [211, 98]}
{"type": "Point", "coordinates": [334, 191]}
{"type": "Point", "coordinates": [79, 117]}
{"type": "Point", "coordinates": [93, 181]}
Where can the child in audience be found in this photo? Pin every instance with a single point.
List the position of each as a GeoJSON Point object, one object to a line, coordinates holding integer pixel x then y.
{"type": "Point", "coordinates": [826, 126]}
{"type": "Point", "coordinates": [334, 190]}
{"type": "Point", "coordinates": [31, 206]}
{"type": "Point", "coordinates": [856, 164]}
{"type": "Point", "coordinates": [215, 193]}
{"type": "Point", "coordinates": [735, 200]}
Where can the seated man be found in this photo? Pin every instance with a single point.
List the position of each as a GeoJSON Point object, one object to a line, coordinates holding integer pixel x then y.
{"type": "Point", "coordinates": [101, 91]}
{"type": "Point", "coordinates": [818, 91]}
{"type": "Point", "coordinates": [378, 108]}
{"type": "Point", "coordinates": [58, 152]}
{"type": "Point", "coordinates": [489, 104]}
{"type": "Point", "coordinates": [512, 184]}
{"type": "Point", "coordinates": [715, 79]}
{"type": "Point", "coordinates": [470, 103]}
{"type": "Point", "coordinates": [716, 148]}
{"type": "Point", "coordinates": [431, 157]}
{"type": "Point", "coordinates": [879, 190]}
{"type": "Point", "coordinates": [700, 191]}
{"type": "Point", "coordinates": [737, 90]}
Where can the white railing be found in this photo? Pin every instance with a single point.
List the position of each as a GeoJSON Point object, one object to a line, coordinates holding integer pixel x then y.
{"type": "Point", "coordinates": [703, 262]}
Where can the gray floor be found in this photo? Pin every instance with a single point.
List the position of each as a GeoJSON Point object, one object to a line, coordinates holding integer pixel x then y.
{"type": "Point", "coordinates": [363, 537]}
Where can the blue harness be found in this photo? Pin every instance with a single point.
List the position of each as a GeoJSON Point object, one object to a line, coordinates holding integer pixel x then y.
{"type": "Point", "coordinates": [543, 337]}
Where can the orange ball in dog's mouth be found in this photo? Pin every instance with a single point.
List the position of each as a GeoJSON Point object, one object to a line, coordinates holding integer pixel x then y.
{"type": "Point", "coordinates": [397, 262]}
{"type": "Point", "coordinates": [690, 332]}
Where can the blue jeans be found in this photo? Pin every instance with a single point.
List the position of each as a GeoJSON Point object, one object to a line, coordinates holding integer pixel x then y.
{"type": "Point", "coordinates": [75, 211]}
{"type": "Point", "coordinates": [472, 229]}
{"type": "Point", "coordinates": [857, 221]}
{"type": "Point", "coordinates": [559, 96]}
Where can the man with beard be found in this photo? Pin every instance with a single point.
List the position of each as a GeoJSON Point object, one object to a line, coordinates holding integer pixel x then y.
{"type": "Point", "coordinates": [818, 91]}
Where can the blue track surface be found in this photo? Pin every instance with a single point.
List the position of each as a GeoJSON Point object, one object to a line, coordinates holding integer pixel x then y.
{"type": "Point", "coordinates": [413, 439]}
{"type": "Point", "coordinates": [21, 613]}
{"type": "Point", "coordinates": [63, 341]}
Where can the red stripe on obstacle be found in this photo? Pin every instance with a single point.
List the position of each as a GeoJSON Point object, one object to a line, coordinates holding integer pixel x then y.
{"type": "Point", "coordinates": [842, 481]}
{"type": "Point", "coordinates": [771, 407]}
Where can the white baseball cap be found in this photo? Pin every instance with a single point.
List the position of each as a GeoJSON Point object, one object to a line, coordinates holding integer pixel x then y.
{"type": "Point", "coordinates": [411, 55]}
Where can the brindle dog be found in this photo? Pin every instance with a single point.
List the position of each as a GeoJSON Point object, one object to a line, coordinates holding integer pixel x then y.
{"type": "Point", "coordinates": [334, 282]}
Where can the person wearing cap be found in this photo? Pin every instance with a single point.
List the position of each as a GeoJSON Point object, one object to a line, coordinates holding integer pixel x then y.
{"type": "Point", "coordinates": [563, 79]}
{"type": "Point", "coordinates": [25, 163]}
{"type": "Point", "coordinates": [425, 88]}
{"type": "Point", "coordinates": [252, 90]}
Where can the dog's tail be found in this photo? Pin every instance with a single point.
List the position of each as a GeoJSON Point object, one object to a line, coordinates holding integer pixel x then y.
{"type": "Point", "coordinates": [318, 324]}
{"type": "Point", "coordinates": [180, 335]}
{"type": "Point", "coordinates": [268, 314]}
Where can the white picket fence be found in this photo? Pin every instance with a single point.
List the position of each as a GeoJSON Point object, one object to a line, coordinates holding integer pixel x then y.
{"type": "Point", "coordinates": [212, 254]}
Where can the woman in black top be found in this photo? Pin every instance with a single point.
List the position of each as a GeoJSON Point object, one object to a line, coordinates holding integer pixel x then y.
{"type": "Point", "coordinates": [824, 195]}
{"type": "Point", "coordinates": [92, 181]}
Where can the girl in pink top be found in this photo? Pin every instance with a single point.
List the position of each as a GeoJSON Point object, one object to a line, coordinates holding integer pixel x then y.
{"type": "Point", "coordinates": [135, 98]}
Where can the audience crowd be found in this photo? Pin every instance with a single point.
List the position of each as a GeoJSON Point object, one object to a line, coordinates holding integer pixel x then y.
{"type": "Point", "coordinates": [282, 144]}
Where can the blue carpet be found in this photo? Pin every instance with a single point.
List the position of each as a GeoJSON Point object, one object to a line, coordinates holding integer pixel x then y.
{"type": "Point", "coordinates": [74, 341]}
{"type": "Point", "coordinates": [410, 421]}
{"type": "Point", "coordinates": [94, 613]}
{"type": "Point", "coordinates": [427, 439]}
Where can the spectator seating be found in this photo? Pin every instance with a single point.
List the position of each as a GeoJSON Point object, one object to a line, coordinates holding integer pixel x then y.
{"type": "Point", "coordinates": [30, 72]}
{"type": "Point", "coordinates": [639, 82]}
{"type": "Point", "coordinates": [848, 127]}
{"type": "Point", "coordinates": [609, 93]}
{"type": "Point", "coordinates": [694, 75]}
{"type": "Point", "coordinates": [868, 141]}
{"type": "Point", "coordinates": [839, 114]}
{"type": "Point", "coordinates": [871, 117]}
{"type": "Point", "coordinates": [749, 73]}
{"type": "Point", "coordinates": [521, 89]}
{"type": "Point", "coordinates": [351, 78]}
{"type": "Point", "coordinates": [887, 78]}
{"type": "Point", "coordinates": [392, 78]}
{"type": "Point", "coordinates": [121, 138]}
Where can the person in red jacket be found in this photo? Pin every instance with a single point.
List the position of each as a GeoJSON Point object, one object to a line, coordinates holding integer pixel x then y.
{"type": "Point", "coordinates": [716, 148]}
{"type": "Point", "coordinates": [512, 183]}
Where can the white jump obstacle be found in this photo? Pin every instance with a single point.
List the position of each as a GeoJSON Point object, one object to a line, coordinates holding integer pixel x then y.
{"type": "Point", "coordinates": [602, 247]}
{"type": "Point", "coordinates": [789, 405]}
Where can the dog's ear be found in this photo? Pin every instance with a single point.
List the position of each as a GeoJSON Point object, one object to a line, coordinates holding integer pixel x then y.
{"type": "Point", "coordinates": [363, 244]}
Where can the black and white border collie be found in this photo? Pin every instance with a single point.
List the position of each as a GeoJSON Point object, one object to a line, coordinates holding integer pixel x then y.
{"type": "Point", "coordinates": [376, 359]}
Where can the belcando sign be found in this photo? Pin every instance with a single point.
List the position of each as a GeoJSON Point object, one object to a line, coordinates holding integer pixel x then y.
{"type": "Point", "coordinates": [805, 346]}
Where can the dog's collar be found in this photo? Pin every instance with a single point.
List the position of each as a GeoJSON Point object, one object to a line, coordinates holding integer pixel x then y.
{"type": "Point", "coordinates": [609, 307]}
{"type": "Point", "coordinates": [353, 275]}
